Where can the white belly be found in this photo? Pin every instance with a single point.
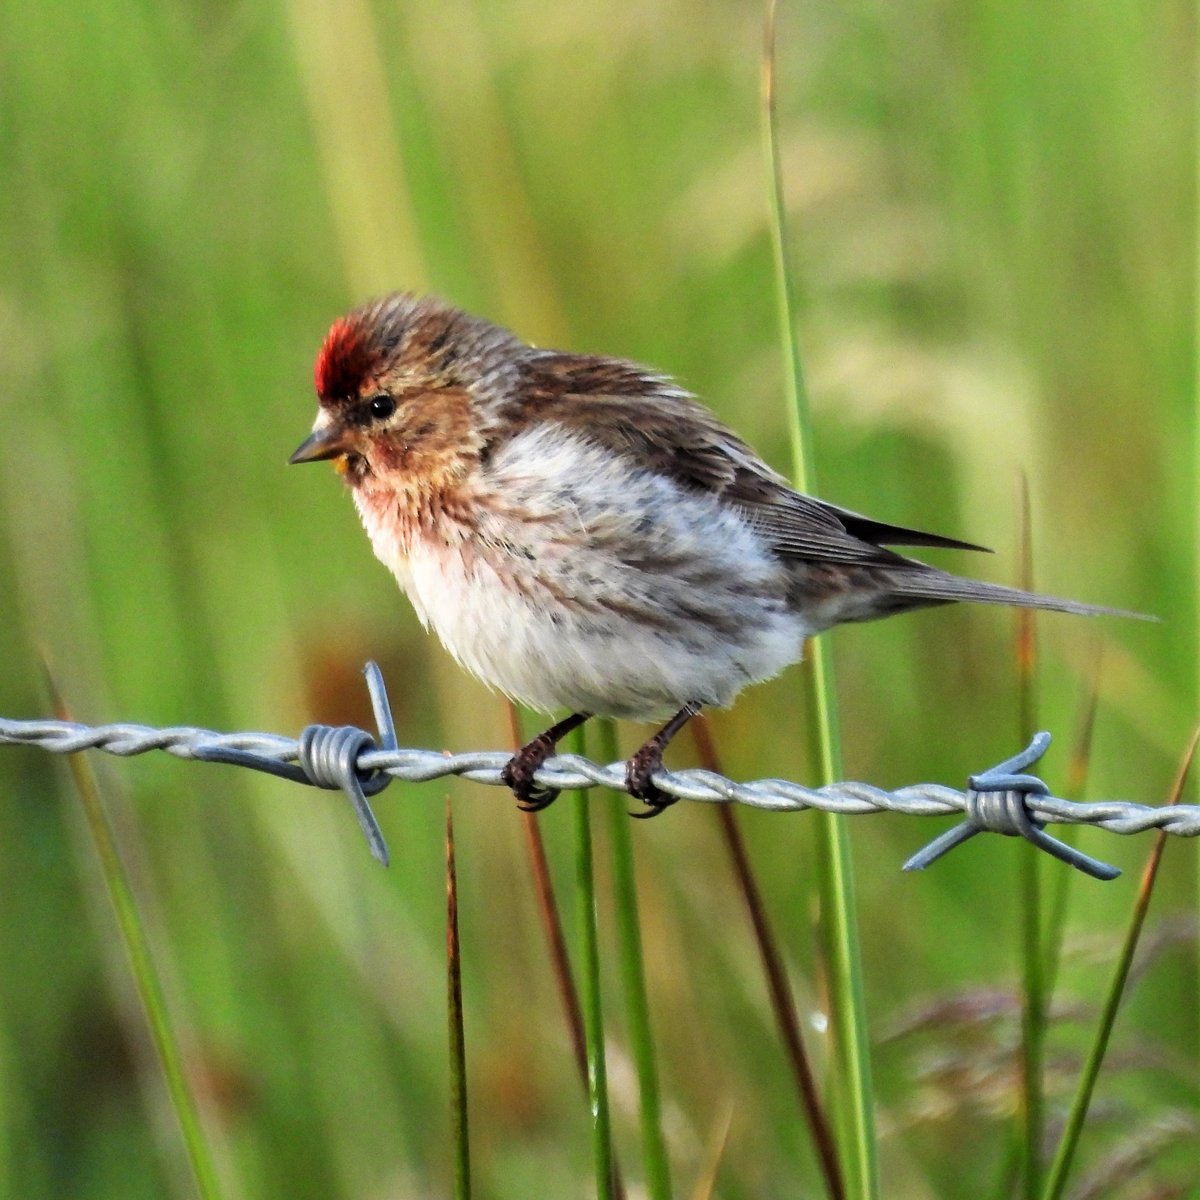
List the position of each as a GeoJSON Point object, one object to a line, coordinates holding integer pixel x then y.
{"type": "Point", "coordinates": [584, 607]}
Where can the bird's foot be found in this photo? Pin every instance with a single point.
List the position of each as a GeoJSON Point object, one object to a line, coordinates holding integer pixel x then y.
{"type": "Point", "coordinates": [638, 780]}
{"type": "Point", "coordinates": [519, 771]}
{"type": "Point", "coordinates": [647, 760]}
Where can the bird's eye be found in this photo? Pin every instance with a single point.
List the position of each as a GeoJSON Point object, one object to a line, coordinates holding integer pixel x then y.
{"type": "Point", "coordinates": [382, 407]}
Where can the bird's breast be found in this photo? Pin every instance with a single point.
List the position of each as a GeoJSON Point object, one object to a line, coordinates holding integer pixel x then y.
{"type": "Point", "coordinates": [605, 594]}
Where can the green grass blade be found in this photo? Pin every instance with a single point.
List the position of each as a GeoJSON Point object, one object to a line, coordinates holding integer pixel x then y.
{"type": "Point", "coordinates": [459, 1126]}
{"type": "Point", "coordinates": [556, 942]}
{"type": "Point", "coordinates": [141, 964]}
{"type": "Point", "coordinates": [1075, 788]}
{"type": "Point", "coordinates": [633, 980]}
{"type": "Point", "coordinates": [344, 74]}
{"type": "Point", "coordinates": [778, 987]}
{"type": "Point", "coordinates": [1068, 1143]}
{"type": "Point", "coordinates": [1194, 506]}
{"type": "Point", "coordinates": [1033, 960]}
{"type": "Point", "coordinates": [590, 990]}
{"type": "Point", "coordinates": [836, 877]}
{"type": "Point", "coordinates": [1033, 1022]}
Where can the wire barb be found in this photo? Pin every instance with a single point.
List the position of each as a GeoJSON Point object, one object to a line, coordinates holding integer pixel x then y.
{"type": "Point", "coordinates": [327, 757]}
{"type": "Point", "coordinates": [996, 802]}
{"type": "Point", "coordinates": [1001, 800]}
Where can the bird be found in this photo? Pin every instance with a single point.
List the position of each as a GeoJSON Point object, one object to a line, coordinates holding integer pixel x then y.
{"type": "Point", "coordinates": [582, 533]}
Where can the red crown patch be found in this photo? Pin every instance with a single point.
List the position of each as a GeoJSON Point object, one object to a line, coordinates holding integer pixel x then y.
{"type": "Point", "coordinates": [342, 364]}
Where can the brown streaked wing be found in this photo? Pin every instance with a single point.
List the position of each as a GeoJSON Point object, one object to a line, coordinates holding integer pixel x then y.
{"type": "Point", "coordinates": [668, 431]}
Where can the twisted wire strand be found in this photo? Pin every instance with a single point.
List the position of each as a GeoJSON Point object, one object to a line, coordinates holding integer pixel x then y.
{"type": "Point", "coordinates": [570, 771]}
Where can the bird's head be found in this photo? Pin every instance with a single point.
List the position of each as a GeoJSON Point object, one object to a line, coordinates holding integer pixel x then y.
{"type": "Point", "coordinates": [401, 383]}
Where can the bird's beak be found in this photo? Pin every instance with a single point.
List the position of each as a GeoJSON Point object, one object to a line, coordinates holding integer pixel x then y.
{"type": "Point", "coordinates": [324, 442]}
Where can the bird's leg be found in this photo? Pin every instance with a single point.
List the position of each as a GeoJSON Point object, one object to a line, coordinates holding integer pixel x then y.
{"type": "Point", "coordinates": [519, 771]}
{"type": "Point", "coordinates": [648, 759]}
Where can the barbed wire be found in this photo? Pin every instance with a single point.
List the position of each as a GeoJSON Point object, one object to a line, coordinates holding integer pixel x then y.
{"type": "Point", "coordinates": [1000, 800]}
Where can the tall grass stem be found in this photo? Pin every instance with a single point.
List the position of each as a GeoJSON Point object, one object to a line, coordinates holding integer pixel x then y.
{"type": "Point", "coordinates": [1068, 1143]}
{"type": "Point", "coordinates": [1032, 952]}
{"type": "Point", "coordinates": [854, 1093]}
{"type": "Point", "coordinates": [590, 989]}
{"type": "Point", "coordinates": [633, 979]}
{"type": "Point", "coordinates": [141, 964]}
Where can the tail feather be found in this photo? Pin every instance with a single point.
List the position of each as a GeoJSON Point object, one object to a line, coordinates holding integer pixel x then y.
{"type": "Point", "coordinates": [935, 586]}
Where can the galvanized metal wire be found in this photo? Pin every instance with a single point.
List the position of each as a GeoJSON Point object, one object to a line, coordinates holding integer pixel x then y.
{"type": "Point", "coordinates": [1000, 800]}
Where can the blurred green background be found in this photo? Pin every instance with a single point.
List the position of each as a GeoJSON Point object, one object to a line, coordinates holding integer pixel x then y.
{"type": "Point", "coordinates": [995, 225]}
